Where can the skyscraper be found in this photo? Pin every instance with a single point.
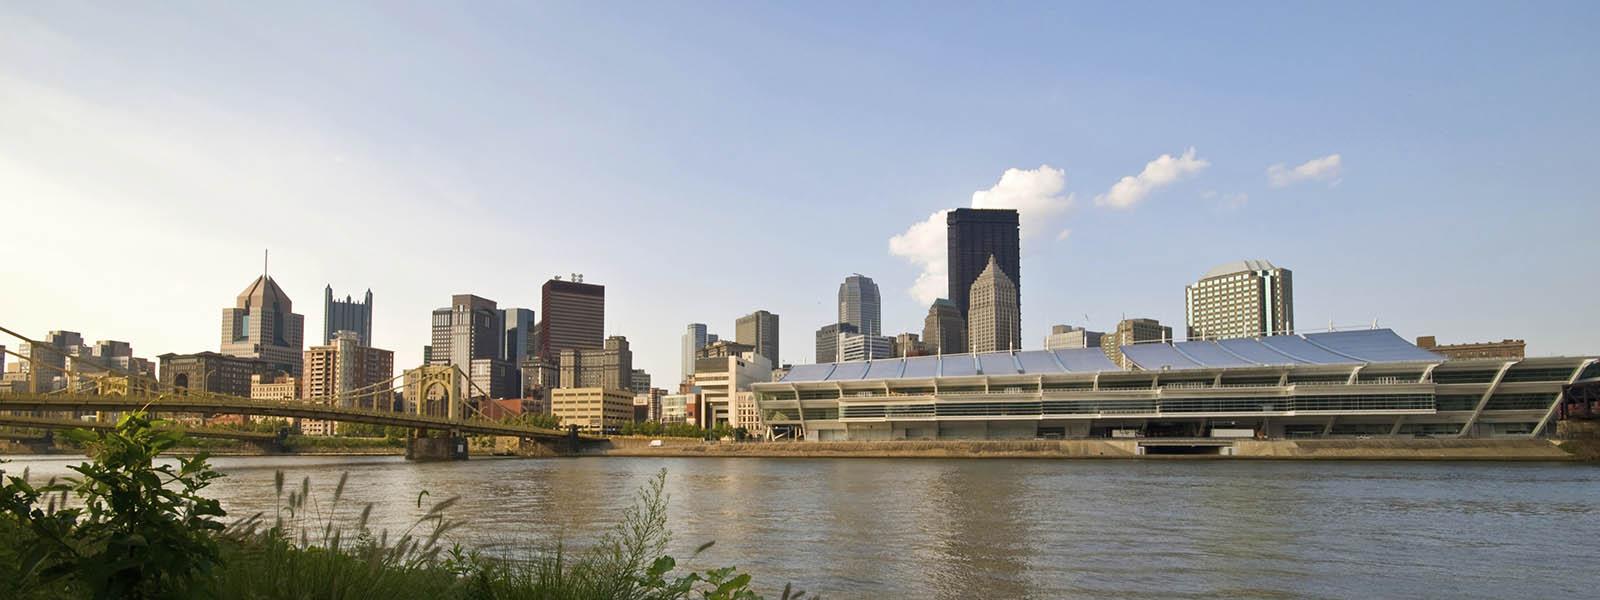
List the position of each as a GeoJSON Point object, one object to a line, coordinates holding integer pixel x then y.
{"type": "Point", "coordinates": [993, 322]}
{"type": "Point", "coordinates": [574, 317]}
{"type": "Point", "coordinates": [1245, 298]}
{"type": "Point", "coordinates": [973, 236]}
{"type": "Point", "coordinates": [610, 367]}
{"type": "Point", "coordinates": [859, 304]}
{"type": "Point", "coordinates": [518, 336]}
{"type": "Point", "coordinates": [945, 329]}
{"type": "Point", "coordinates": [263, 325]}
{"type": "Point", "coordinates": [828, 341]}
{"type": "Point", "coordinates": [467, 329]}
{"type": "Point", "coordinates": [760, 331]}
{"type": "Point", "coordinates": [346, 315]}
{"type": "Point", "coordinates": [694, 338]}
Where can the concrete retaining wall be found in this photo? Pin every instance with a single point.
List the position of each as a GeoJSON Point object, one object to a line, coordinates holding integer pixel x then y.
{"type": "Point", "coordinates": [1422, 449]}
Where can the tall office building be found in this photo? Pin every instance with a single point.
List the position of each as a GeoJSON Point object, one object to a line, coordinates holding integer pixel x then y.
{"type": "Point", "coordinates": [1067, 336]}
{"type": "Point", "coordinates": [574, 316]}
{"type": "Point", "coordinates": [346, 370]}
{"type": "Point", "coordinates": [468, 329]}
{"type": "Point", "coordinates": [944, 330]}
{"type": "Point", "coordinates": [993, 321]}
{"type": "Point", "coordinates": [346, 315]}
{"type": "Point", "coordinates": [860, 305]}
{"type": "Point", "coordinates": [609, 367]}
{"type": "Point", "coordinates": [973, 236]}
{"type": "Point", "coordinates": [760, 331]}
{"type": "Point", "coordinates": [1245, 298]}
{"type": "Point", "coordinates": [640, 382]}
{"type": "Point", "coordinates": [518, 336]}
{"type": "Point", "coordinates": [721, 377]}
{"type": "Point", "coordinates": [694, 338]}
{"type": "Point", "coordinates": [828, 341]}
{"type": "Point", "coordinates": [263, 325]}
{"type": "Point", "coordinates": [1132, 331]}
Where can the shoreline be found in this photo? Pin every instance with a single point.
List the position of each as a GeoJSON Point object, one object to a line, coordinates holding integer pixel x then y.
{"type": "Point", "coordinates": [1139, 449]}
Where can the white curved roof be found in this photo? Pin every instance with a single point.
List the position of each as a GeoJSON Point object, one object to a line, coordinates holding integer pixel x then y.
{"type": "Point", "coordinates": [1238, 266]}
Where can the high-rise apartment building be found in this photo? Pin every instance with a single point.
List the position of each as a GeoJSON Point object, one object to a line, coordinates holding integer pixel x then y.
{"type": "Point", "coordinates": [1067, 336]}
{"type": "Point", "coordinates": [860, 305]}
{"type": "Point", "coordinates": [346, 315]}
{"type": "Point", "coordinates": [345, 373]}
{"type": "Point", "coordinates": [973, 236]}
{"type": "Point", "coordinates": [759, 330]}
{"type": "Point", "coordinates": [993, 321]}
{"type": "Point", "coordinates": [519, 335]}
{"type": "Point", "coordinates": [574, 316]}
{"type": "Point", "coordinates": [1246, 298]}
{"type": "Point", "coordinates": [945, 328]}
{"type": "Point", "coordinates": [263, 325]}
{"type": "Point", "coordinates": [828, 341]}
{"type": "Point", "coordinates": [694, 338]}
{"type": "Point", "coordinates": [1132, 331]}
{"type": "Point", "coordinates": [609, 367]}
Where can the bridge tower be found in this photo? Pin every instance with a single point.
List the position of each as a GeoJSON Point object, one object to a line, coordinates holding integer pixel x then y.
{"type": "Point", "coordinates": [435, 391]}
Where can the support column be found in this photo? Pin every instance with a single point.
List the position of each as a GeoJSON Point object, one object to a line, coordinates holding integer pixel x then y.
{"type": "Point", "coordinates": [451, 446]}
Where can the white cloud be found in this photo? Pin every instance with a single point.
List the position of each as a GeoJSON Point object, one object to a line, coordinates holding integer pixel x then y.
{"type": "Point", "coordinates": [1065, 233]}
{"type": "Point", "coordinates": [1037, 196]}
{"type": "Point", "coordinates": [1316, 169]}
{"type": "Point", "coordinates": [1158, 173]}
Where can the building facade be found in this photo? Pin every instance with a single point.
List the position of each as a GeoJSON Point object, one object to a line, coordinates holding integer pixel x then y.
{"type": "Point", "coordinates": [694, 338]}
{"type": "Point", "coordinates": [519, 335]}
{"type": "Point", "coordinates": [994, 321]}
{"type": "Point", "coordinates": [1246, 298]}
{"type": "Point", "coordinates": [1133, 331]}
{"type": "Point", "coordinates": [346, 315]}
{"type": "Point", "coordinates": [347, 374]}
{"type": "Point", "coordinates": [593, 409]}
{"type": "Point", "coordinates": [945, 328]}
{"type": "Point", "coordinates": [1512, 349]}
{"type": "Point", "coordinates": [720, 377]}
{"type": "Point", "coordinates": [909, 344]}
{"type": "Point", "coordinates": [858, 347]}
{"type": "Point", "coordinates": [828, 341]}
{"type": "Point", "coordinates": [470, 335]}
{"type": "Point", "coordinates": [610, 366]}
{"type": "Point", "coordinates": [759, 330]}
{"type": "Point", "coordinates": [263, 325]}
{"type": "Point", "coordinates": [574, 317]}
{"type": "Point", "coordinates": [860, 304]}
{"type": "Point", "coordinates": [1067, 336]}
{"type": "Point", "coordinates": [973, 236]}
{"type": "Point", "coordinates": [1345, 384]}
{"type": "Point", "coordinates": [639, 381]}
{"type": "Point", "coordinates": [212, 372]}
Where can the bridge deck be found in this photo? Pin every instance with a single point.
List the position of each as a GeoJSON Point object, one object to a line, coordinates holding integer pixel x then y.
{"type": "Point", "coordinates": [211, 403]}
{"type": "Point", "coordinates": [203, 432]}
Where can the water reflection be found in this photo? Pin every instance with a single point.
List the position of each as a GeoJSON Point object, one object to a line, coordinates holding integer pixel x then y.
{"type": "Point", "coordinates": [1014, 528]}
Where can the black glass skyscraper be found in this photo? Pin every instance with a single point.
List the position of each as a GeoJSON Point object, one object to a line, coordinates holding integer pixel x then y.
{"type": "Point", "coordinates": [973, 235]}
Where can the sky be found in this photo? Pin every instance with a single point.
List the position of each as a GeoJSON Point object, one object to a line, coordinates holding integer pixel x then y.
{"type": "Point", "coordinates": [1422, 166]}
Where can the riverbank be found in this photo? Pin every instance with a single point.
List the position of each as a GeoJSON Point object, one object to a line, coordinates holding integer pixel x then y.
{"type": "Point", "coordinates": [1374, 449]}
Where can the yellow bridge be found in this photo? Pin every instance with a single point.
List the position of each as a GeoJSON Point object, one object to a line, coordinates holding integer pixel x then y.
{"type": "Point", "coordinates": [434, 396]}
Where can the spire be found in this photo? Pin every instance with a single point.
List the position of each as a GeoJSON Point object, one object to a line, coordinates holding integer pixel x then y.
{"type": "Point", "coordinates": [264, 253]}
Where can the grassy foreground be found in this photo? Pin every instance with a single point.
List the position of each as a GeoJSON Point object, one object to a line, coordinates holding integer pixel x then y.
{"type": "Point", "coordinates": [127, 527]}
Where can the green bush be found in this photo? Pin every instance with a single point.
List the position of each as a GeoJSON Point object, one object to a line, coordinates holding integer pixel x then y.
{"type": "Point", "coordinates": [142, 530]}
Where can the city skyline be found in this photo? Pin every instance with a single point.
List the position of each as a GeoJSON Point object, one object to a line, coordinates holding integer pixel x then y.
{"type": "Point", "coordinates": [1118, 213]}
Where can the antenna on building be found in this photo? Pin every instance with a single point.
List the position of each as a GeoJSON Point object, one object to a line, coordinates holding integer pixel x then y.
{"type": "Point", "coordinates": [264, 254]}
{"type": "Point", "coordinates": [1374, 322]}
{"type": "Point", "coordinates": [558, 278]}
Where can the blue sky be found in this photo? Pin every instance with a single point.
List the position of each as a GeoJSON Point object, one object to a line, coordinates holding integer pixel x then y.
{"type": "Point", "coordinates": [706, 160]}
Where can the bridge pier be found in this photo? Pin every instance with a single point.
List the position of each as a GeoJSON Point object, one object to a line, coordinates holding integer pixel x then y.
{"type": "Point", "coordinates": [449, 447]}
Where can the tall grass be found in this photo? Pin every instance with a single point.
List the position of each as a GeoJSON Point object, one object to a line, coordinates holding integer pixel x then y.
{"type": "Point", "coordinates": [92, 548]}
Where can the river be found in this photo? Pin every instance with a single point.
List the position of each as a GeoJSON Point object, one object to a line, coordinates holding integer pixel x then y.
{"type": "Point", "coordinates": [1000, 528]}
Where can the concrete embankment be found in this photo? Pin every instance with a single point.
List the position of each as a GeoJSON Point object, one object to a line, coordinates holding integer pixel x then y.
{"type": "Point", "coordinates": [1409, 449]}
